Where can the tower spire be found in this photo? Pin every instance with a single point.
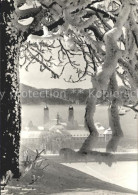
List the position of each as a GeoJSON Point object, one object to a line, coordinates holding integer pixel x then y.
{"type": "Point", "coordinates": [46, 114]}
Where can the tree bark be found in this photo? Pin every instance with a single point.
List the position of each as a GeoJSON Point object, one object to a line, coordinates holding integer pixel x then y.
{"type": "Point", "coordinates": [114, 120]}
{"type": "Point", "coordinates": [91, 140]}
{"type": "Point", "coordinates": [10, 102]}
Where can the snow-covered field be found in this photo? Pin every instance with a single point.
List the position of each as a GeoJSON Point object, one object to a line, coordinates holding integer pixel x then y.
{"type": "Point", "coordinates": [124, 174]}
{"type": "Point", "coordinates": [58, 179]}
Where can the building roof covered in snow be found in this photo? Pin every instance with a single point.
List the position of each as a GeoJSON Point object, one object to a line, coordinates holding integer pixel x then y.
{"type": "Point", "coordinates": [108, 132]}
{"type": "Point", "coordinates": [32, 134]}
{"type": "Point", "coordinates": [85, 133]}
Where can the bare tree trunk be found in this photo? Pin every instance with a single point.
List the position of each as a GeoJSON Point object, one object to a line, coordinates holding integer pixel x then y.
{"type": "Point", "coordinates": [89, 121]}
{"type": "Point", "coordinates": [114, 120]}
{"type": "Point", "coordinates": [101, 82]}
{"type": "Point", "coordinates": [10, 102]}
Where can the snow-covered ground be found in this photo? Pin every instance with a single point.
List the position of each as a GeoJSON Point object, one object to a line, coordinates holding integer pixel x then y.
{"type": "Point", "coordinates": [63, 180]}
{"type": "Point", "coordinates": [124, 174]}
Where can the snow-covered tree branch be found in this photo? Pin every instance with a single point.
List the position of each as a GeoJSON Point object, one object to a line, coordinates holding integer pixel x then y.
{"type": "Point", "coordinates": [103, 32]}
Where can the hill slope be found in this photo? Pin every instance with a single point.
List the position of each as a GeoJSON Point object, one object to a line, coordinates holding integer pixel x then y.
{"type": "Point", "coordinates": [57, 178]}
{"type": "Point", "coordinates": [32, 95]}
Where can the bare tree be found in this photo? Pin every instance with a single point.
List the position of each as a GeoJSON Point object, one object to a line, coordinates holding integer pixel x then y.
{"type": "Point", "coordinates": [103, 32]}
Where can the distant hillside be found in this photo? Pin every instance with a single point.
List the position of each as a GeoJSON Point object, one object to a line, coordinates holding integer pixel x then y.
{"type": "Point", "coordinates": [32, 95]}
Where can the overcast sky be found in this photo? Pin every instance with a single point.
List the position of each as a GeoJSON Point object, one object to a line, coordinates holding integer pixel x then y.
{"type": "Point", "coordinates": [35, 78]}
{"type": "Point", "coordinates": [39, 79]}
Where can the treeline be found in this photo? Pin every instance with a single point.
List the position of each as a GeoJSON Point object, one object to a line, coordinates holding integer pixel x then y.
{"type": "Point", "coordinates": [32, 95]}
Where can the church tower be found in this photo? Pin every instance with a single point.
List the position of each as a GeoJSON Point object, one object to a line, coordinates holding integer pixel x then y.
{"type": "Point", "coordinates": [46, 114]}
{"type": "Point", "coordinates": [71, 114]}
